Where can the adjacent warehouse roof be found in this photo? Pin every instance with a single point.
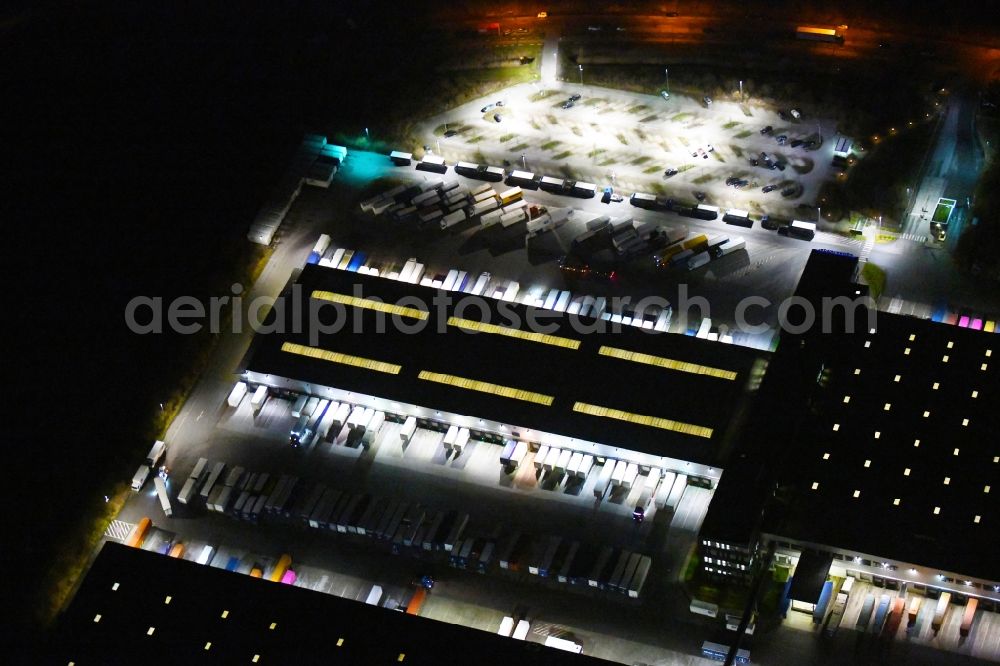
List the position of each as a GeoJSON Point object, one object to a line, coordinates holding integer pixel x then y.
{"type": "Point", "coordinates": [882, 441]}
{"type": "Point", "coordinates": [899, 456]}
{"type": "Point", "coordinates": [135, 606]}
{"type": "Point", "coordinates": [779, 408]}
{"type": "Point", "coordinates": [658, 393]}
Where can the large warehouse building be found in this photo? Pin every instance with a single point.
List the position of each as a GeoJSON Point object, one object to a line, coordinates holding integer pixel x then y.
{"type": "Point", "coordinates": [475, 362]}
{"type": "Point", "coordinates": [136, 606]}
{"type": "Point", "coordinates": [874, 453]}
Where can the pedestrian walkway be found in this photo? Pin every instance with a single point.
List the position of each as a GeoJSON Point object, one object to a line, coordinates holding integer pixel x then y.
{"type": "Point", "coordinates": [834, 239]}
{"type": "Point", "coordinates": [866, 250]}
{"type": "Point", "coordinates": [914, 237]}
{"type": "Point", "coordinates": [118, 530]}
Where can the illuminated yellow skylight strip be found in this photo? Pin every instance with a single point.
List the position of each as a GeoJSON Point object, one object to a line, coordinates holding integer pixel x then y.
{"type": "Point", "coordinates": [369, 304]}
{"type": "Point", "coordinates": [668, 363]}
{"type": "Point", "coordinates": [343, 359]}
{"type": "Point", "coordinates": [641, 419]}
{"type": "Point", "coordinates": [486, 387]}
{"type": "Point", "coordinates": [480, 327]}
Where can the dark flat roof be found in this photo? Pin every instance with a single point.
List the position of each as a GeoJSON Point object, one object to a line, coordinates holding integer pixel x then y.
{"type": "Point", "coordinates": [901, 442]}
{"type": "Point", "coordinates": [897, 429]}
{"type": "Point", "coordinates": [810, 574]}
{"type": "Point", "coordinates": [567, 375]}
{"type": "Point", "coordinates": [307, 624]}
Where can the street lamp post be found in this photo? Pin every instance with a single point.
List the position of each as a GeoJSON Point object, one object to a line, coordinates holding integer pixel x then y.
{"type": "Point", "coordinates": [741, 92]}
{"type": "Point", "coordinates": [524, 164]}
{"type": "Point", "coordinates": [581, 74]}
{"type": "Point", "coordinates": [666, 75]}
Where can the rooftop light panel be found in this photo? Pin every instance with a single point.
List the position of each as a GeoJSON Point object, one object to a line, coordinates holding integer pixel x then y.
{"type": "Point", "coordinates": [668, 363]}
{"type": "Point", "coordinates": [480, 327]}
{"type": "Point", "coordinates": [641, 419]}
{"type": "Point", "coordinates": [369, 304]}
{"type": "Point", "coordinates": [343, 359]}
{"type": "Point", "coordinates": [486, 387]}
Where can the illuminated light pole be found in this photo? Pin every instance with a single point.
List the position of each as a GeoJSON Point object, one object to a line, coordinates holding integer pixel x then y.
{"type": "Point", "coordinates": [741, 92]}
{"type": "Point", "coordinates": [524, 164]}
{"type": "Point", "coordinates": [666, 74]}
{"type": "Point", "coordinates": [581, 74]}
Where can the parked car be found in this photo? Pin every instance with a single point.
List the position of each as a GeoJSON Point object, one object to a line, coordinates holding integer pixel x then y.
{"type": "Point", "coordinates": [606, 198]}
{"type": "Point", "coordinates": [780, 166]}
{"type": "Point", "coordinates": [710, 148]}
{"type": "Point", "coordinates": [617, 198]}
{"type": "Point", "coordinates": [754, 161]}
{"type": "Point", "coordinates": [450, 133]}
{"type": "Point", "coordinates": [768, 188]}
{"type": "Point", "coordinates": [700, 196]}
{"type": "Point", "coordinates": [486, 108]}
{"type": "Point", "coordinates": [707, 100]}
{"type": "Point", "coordinates": [789, 191]}
{"type": "Point", "coordinates": [496, 117]}
{"type": "Point", "coordinates": [575, 97]}
{"type": "Point", "coordinates": [768, 223]}
{"type": "Point", "coordinates": [741, 183]}
{"type": "Point", "coordinates": [499, 102]}
{"type": "Point", "coordinates": [796, 143]}
{"type": "Point", "coordinates": [811, 143]}
{"type": "Point", "coordinates": [670, 172]}
{"type": "Point", "coordinates": [664, 94]}
{"type": "Point", "coordinates": [796, 113]}
{"type": "Point", "coordinates": [731, 180]}
{"type": "Point", "coordinates": [766, 130]}
{"type": "Point", "coordinates": [781, 139]}
{"type": "Point", "coordinates": [568, 104]}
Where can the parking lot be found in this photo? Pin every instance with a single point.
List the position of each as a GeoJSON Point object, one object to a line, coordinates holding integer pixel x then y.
{"type": "Point", "coordinates": [769, 267]}
{"type": "Point", "coordinates": [630, 141]}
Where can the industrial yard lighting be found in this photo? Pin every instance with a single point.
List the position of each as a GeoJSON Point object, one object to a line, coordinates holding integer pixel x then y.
{"type": "Point", "coordinates": [741, 91]}
{"type": "Point", "coordinates": [581, 74]}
